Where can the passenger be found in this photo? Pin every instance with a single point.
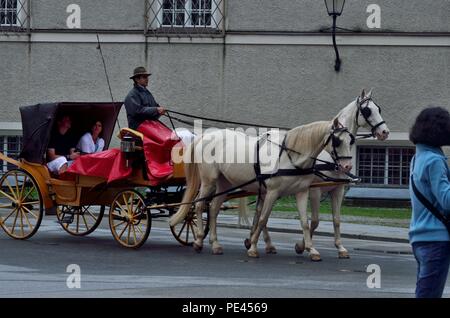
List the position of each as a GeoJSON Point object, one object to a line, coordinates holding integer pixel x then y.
{"type": "Point", "coordinates": [140, 104]}
{"type": "Point", "coordinates": [91, 141]}
{"type": "Point", "coordinates": [61, 148]}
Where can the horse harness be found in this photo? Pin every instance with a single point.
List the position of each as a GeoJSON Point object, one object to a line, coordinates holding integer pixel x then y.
{"type": "Point", "coordinates": [297, 171]}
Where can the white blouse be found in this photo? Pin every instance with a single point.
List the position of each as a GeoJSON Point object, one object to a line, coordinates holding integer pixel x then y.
{"type": "Point", "coordinates": [87, 145]}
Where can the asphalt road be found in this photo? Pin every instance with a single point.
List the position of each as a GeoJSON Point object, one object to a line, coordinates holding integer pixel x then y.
{"type": "Point", "coordinates": [163, 268]}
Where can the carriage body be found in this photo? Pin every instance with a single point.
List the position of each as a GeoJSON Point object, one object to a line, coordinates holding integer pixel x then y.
{"type": "Point", "coordinates": [29, 190]}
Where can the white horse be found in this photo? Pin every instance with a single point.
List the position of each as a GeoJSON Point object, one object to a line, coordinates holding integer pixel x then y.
{"type": "Point", "coordinates": [294, 154]}
{"type": "Point", "coordinates": [362, 112]}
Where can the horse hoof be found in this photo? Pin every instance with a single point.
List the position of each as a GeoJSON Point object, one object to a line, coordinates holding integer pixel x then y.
{"type": "Point", "coordinates": [253, 254]}
{"type": "Point", "coordinates": [247, 243]}
{"type": "Point", "coordinates": [299, 249]}
{"type": "Point", "coordinates": [218, 250]}
{"type": "Point", "coordinates": [344, 255]}
{"type": "Point", "coordinates": [315, 258]}
{"type": "Point", "coordinates": [197, 248]}
{"type": "Point", "coordinates": [271, 250]}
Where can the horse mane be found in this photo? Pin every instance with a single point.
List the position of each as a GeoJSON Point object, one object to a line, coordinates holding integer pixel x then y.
{"type": "Point", "coordinates": [308, 139]}
{"type": "Point", "coordinates": [344, 110]}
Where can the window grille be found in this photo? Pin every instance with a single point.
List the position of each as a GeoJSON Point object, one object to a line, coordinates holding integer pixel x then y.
{"type": "Point", "coordinates": [14, 15]}
{"type": "Point", "coordinates": [189, 17]}
{"type": "Point", "coordinates": [384, 165]}
{"type": "Point", "coordinates": [10, 146]}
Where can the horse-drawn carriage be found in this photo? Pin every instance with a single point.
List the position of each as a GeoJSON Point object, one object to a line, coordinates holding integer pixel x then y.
{"type": "Point", "coordinates": [80, 201]}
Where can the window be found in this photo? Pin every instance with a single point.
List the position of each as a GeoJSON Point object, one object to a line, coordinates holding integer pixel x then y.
{"type": "Point", "coordinates": [10, 146]}
{"type": "Point", "coordinates": [13, 14]}
{"type": "Point", "coordinates": [384, 165]}
{"type": "Point", "coordinates": [185, 16]}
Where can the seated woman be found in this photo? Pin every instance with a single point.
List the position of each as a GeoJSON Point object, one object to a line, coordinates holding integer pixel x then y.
{"type": "Point", "coordinates": [91, 141]}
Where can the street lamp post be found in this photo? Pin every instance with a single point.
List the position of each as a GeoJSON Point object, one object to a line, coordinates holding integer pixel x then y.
{"type": "Point", "coordinates": [334, 9]}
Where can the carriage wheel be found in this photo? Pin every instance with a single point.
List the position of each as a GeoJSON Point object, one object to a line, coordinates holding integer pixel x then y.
{"type": "Point", "coordinates": [21, 207]}
{"type": "Point", "coordinates": [80, 220]}
{"type": "Point", "coordinates": [129, 219]}
{"type": "Point", "coordinates": [185, 232]}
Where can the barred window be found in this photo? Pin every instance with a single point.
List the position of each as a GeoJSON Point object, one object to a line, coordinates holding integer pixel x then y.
{"type": "Point", "coordinates": [13, 14]}
{"type": "Point", "coordinates": [10, 146]}
{"type": "Point", "coordinates": [384, 165]}
{"type": "Point", "coordinates": [185, 16]}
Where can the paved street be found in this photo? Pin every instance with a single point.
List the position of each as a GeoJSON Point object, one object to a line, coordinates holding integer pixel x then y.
{"type": "Point", "coordinates": [163, 268]}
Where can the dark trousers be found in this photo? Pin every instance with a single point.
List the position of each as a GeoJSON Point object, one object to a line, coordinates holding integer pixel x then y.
{"type": "Point", "coordinates": [433, 259]}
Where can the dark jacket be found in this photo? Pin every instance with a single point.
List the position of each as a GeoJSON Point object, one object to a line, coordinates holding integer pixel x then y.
{"type": "Point", "coordinates": [140, 106]}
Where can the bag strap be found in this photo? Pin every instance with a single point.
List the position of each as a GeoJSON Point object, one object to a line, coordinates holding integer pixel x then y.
{"type": "Point", "coordinates": [430, 207]}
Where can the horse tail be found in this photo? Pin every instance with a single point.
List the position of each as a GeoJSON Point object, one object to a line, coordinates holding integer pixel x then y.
{"type": "Point", "coordinates": [192, 186]}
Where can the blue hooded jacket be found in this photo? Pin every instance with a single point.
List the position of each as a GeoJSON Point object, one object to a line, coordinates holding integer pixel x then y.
{"type": "Point", "coordinates": [432, 178]}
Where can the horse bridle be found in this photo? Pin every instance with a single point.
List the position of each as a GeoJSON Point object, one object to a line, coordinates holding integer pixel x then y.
{"type": "Point", "coordinates": [336, 142]}
{"type": "Point", "coordinates": [366, 112]}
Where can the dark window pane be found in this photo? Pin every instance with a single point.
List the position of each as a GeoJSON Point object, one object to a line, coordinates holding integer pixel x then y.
{"type": "Point", "coordinates": [167, 18]}
{"type": "Point", "coordinates": [168, 4]}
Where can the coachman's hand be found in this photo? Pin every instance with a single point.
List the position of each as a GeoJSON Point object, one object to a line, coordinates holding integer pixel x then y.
{"type": "Point", "coordinates": [161, 111]}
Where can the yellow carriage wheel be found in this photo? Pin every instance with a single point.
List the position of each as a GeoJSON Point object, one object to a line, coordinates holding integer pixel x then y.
{"type": "Point", "coordinates": [21, 207]}
{"type": "Point", "coordinates": [80, 220]}
{"type": "Point", "coordinates": [129, 219]}
{"type": "Point", "coordinates": [185, 232]}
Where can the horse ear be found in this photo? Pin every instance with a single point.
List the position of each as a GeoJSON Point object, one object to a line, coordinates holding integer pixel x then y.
{"type": "Point", "coordinates": [370, 93]}
{"type": "Point", "coordinates": [336, 124]}
{"type": "Point", "coordinates": [363, 93]}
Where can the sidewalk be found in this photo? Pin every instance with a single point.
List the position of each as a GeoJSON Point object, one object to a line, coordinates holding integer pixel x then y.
{"type": "Point", "coordinates": [348, 230]}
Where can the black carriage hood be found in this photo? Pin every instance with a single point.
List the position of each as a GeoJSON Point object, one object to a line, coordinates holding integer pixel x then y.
{"type": "Point", "coordinates": [38, 122]}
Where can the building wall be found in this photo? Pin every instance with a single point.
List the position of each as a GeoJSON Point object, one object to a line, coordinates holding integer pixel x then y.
{"type": "Point", "coordinates": [283, 85]}
{"type": "Point", "coordinates": [310, 15]}
{"type": "Point", "coordinates": [272, 67]}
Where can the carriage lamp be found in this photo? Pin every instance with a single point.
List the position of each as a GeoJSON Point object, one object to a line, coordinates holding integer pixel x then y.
{"type": "Point", "coordinates": [127, 146]}
{"type": "Point", "coordinates": [334, 9]}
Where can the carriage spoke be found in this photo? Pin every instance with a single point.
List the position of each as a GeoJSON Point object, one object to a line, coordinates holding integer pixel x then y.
{"type": "Point", "coordinates": [11, 189]}
{"type": "Point", "coordinates": [23, 187]}
{"type": "Point", "coordinates": [27, 219]}
{"type": "Point", "coordinates": [15, 220]}
{"type": "Point", "coordinates": [31, 202]}
{"type": "Point", "coordinates": [187, 233]}
{"type": "Point", "coordinates": [85, 222]}
{"type": "Point", "coordinates": [21, 222]}
{"type": "Point", "coordinates": [139, 229]}
{"type": "Point", "coordinates": [29, 211]}
{"type": "Point", "coordinates": [121, 208]}
{"type": "Point", "coordinates": [129, 233]}
{"type": "Point", "coordinates": [116, 225]}
{"type": "Point", "coordinates": [181, 231]}
{"type": "Point", "coordinates": [124, 229]}
{"type": "Point", "coordinates": [193, 232]}
{"type": "Point", "coordinates": [78, 222]}
{"type": "Point", "coordinates": [134, 235]}
{"type": "Point", "coordinates": [12, 212]}
{"type": "Point", "coordinates": [17, 186]}
{"type": "Point", "coordinates": [8, 196]}
{"type": "Point", "coordinates": [125, 200]}
{"type": "Point", "coordinates": [5, 206]}
{"type": "Point", "coordinates": [29, 192]}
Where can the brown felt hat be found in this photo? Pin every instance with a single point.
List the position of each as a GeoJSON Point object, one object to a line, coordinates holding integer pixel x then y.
{"type": "Point", "coordinates": [138, 71]}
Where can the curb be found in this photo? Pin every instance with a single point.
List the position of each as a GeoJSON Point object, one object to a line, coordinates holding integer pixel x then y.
{"type": "Point", "coordinates": [319, 233]}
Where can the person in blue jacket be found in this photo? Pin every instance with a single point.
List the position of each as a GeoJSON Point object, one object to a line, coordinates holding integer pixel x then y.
{"type": "Point", "coordinates": [429, 236]}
